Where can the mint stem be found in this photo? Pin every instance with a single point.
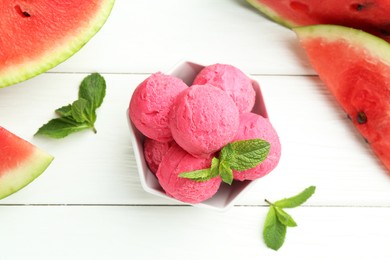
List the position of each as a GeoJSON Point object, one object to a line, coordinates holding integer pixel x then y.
{"type": "Point", "coordinates": [268, 202]}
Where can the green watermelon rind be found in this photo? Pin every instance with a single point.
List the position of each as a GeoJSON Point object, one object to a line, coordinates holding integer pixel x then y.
{"type": "Point", "coordinates": [64, 51]}
{"type": "Point", "coordinates": [27, 171]}
{"type": "Point", "coordinates": [271, 14]}
{"type": "Point", "coordinates": [372, 45]}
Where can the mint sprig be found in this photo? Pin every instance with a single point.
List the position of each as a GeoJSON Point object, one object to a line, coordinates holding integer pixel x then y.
{"type": "Point", "coordinates": [79, 115]}
{"type": "Point", "coordinates": [240, 155]}
{"type": "Point", "coordinates": [277, 220]}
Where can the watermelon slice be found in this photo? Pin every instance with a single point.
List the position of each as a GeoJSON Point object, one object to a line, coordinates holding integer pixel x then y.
{"type": "Point", "coordinates": [369, 15]}
{"type": "Point", "coordinates": [38, 35]}
{"type": "Point", "coordinates": [355, 66]}
{"type": "Point", "coordinates": [20, 163]}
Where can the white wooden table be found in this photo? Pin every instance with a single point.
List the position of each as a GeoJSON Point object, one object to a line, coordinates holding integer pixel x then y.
{"type": "Point", "coordinates": [89, 204]}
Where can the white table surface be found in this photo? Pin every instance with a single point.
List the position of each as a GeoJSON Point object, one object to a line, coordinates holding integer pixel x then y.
{"type": "Point", "coordinates": [89, 203]}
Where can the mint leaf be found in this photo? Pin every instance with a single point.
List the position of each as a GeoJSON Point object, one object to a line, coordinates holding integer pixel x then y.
{"type": "Point", "coordinates": [239, 155]}
{"type": "Point", "coordinates": [278, 220]}
{"type": "Point", "coordinates": [79, 111]}
{"type": "Point", "coordinates": [203, 174]}
{"type": "Point", "coordinates": [225, 172]}
{"type": "Point", "coordinates": [198, 175]}
{"type": "Point", "coordinates": [285, 218]}
{"type": "Point", "coordinates": [214, 170]}
{"type": "Point", "coordinates": [93, 89]}
{"type": "Point", "coordinates": [274, 231]}
{"type": "Point", "coordinates": [60, 127]}
{"type": "Point", "coordinates": [64, 111]}
{"type": "Point", "coordinates": [81, 114]}
{"type": "Point", "coordinates": [227, 153]}
{"type": "Point", "coordinates": [296, 200]}
{"type": "Point", "coordinates": [248, 154]}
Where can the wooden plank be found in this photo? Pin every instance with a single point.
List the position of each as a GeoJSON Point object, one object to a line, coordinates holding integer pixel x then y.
{"type": "Point", "coordinates": [187, 233]}
{"type": "Point", "coordinates": [319, 146]}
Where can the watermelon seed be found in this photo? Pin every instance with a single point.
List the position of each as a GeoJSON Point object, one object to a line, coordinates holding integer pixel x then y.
{"type": "Point", "coordinates": [22, 13]}
{"type": "Point", "coordinates": [357, 7]}
{"type": "Point", "coordinates": [361, 118]}
{"type": "Point", "coordinates": [384, 32]}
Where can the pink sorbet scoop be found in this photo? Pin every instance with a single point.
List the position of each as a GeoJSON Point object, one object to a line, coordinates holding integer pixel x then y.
{"type": "Point", "coordinates": [203, 119]}
{"type": "Point", "coordinates": [151, 103]}
{"type": "Point", "coordinates": [154, 152]}
{"type": "Point", "coordinates": [255, 126]}
{"type": "Point", "coordinates": [177, 161]}
{"type": "Point", "coordinates": [233, 81]}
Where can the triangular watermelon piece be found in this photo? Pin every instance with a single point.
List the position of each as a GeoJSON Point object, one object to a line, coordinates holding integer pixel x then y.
{"type": "Point", "coordinates": [20, 162]}
{"type": "Point", "coordinates": [38, 35]}
{"type": "Point", "coordinates": [371, 16]}
{"type": "Point", "coordinates": [355, 66]}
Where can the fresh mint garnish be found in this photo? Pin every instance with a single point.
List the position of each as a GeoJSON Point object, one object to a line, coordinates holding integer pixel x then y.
{"type": "Point", "coordinates": [248, 154]}
{"type": "Point", "coordinates": [203, 174]}
{"type": "Point", "coordinates": [274, 231]}
{"type": "Point", "coordinates": [198, 175]}
{"type": "Point", "coordinates": [240, 155]}
{"type": "Point", "coordinates": [285, 218]}
{"type": "Point", "coordinates": [61, 127]}
{"type": "Point", "coordinates": [277, 220]}
{"type": "Point", "coordinates": [226, 172]}
{"type": "Point", "coordinates": [297, 200]}
{"type": "Point", "coordinates": [81, 114]}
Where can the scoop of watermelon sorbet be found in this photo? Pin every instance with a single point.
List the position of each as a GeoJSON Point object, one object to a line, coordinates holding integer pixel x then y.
{"type": "Point", "coordinates": [177, 161]}
{"type": "Point", "coordinates": [151, 103]}
{"type": "Point", "coordinates": [255, 126]}
{"type": "Point", "coordinates": [154, 152]}
{"type": "Point", "coordinates": [203, 119]}
{"type": "Point", "coordinates": [231, 80]}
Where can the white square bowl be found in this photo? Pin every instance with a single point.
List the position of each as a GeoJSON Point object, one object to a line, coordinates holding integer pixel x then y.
{"type": "Point", "coordinates": [227, 194]}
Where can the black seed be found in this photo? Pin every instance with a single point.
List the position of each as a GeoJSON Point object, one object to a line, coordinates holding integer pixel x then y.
{"type": "Point", "coordinates": [359, 7]}
{"type": "Point", "coordinates": [384, 32]}
{"type": "Point", "coordinates": [22, 13]}
{"type": "Point", "coordinates": [361, 118]}
{"type": "Point", "coordinates": [25, 14]}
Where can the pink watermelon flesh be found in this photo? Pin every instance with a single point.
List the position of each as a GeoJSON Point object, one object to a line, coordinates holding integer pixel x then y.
{"type": "Point", "coordinates": [20, 162]}
{"type": "Point", "coordinates": [37, 35]}
{"type": "Point", "coordinates": [355, 66]}
{"type": "Point", "coordinates": [371, 16]}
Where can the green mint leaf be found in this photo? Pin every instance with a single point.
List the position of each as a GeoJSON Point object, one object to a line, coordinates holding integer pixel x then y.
{"type": "Point", "coordinates": [198, 175]}
{"type": "Point", "coordinates": [285, 218]}
{"type": "Point", "coordinates": [93, 89]}
{"type": "Point", "coordinates": [64, 111]}
{"type": "Point", "coordinates": [226, 172]}
{"type": "Point", "coordinates": [61, 127]}
{"type": "Point", "coordinates": [274, 231]}
{"type": "Point", "coordinates": [226, 153]}
{"type": "Point", "coordinates": [248, 153]}
{"type": "Point", "coordinates": [81, 114]}
{"type": "Point", "coordinates": [79, 111]}
{"type": "Point", "coordinates": [214, 170]}
{"type": "Point", "coordinates": [296, 200]}
{"type": "Point", "coordinates": [203, 174]}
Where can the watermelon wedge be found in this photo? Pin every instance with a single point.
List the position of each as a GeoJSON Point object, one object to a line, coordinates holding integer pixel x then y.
{"type": "Point", "coordinates": [355, 66]}
{"type": "Point", "coordinates": [20, 163]}
{"type": "Point", "coordinates": [370, 15]}
{"type": "Point", "coordinates": [38, 35]}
